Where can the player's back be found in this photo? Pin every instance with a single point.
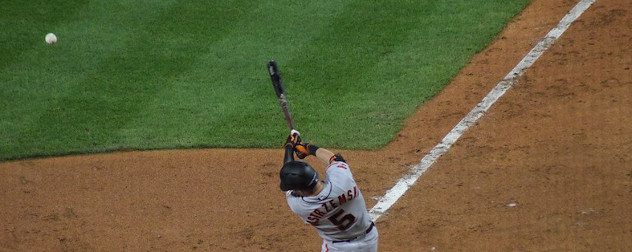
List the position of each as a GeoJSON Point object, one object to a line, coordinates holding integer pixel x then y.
{"type": "Point", "coordinates": [338, 212]}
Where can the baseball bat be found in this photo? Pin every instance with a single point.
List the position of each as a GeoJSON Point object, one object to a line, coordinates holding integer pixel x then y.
{"type": "Point", "coordinates": [275, 76]}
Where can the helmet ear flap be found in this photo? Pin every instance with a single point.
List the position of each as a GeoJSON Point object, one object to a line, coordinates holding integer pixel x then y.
{"type": "Point", "coordinates": [298, 175]}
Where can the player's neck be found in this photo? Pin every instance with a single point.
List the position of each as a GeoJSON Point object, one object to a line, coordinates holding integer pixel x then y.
{"type": "Point", "coordinates": [319, 188]}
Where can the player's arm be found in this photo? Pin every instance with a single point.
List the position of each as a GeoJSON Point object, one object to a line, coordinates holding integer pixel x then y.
{"type": "Point", "coordinates": [289, 154]}
{"type": "Point", "coordinates": [290, 143]}
{"type": "Point", "coordinates": [324, 155]}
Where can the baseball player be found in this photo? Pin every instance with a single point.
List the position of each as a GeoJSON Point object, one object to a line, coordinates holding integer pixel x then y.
{"type": "Point", "coordinates": [334, 206]}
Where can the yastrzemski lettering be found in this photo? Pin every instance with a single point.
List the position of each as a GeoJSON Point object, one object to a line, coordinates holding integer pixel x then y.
{"type": "Point", "coordinates": [330, 205]}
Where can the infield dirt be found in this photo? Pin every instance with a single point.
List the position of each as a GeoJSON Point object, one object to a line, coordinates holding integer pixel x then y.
{"type": "Point", "coordinates": [548, 168]}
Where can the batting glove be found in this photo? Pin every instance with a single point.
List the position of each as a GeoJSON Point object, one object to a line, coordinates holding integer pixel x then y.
{"type": "Point", "coordinates": [305, 149]}
{"type": "Point", "coordinates": [293, 139]}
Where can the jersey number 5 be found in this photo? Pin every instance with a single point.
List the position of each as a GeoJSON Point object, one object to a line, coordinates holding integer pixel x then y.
{"type": "Point", "coordinates": [342, 221]}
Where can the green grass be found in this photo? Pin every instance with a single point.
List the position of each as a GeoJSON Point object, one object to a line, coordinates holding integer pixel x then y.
{"type": "Point", "coordinates": [181, 74]}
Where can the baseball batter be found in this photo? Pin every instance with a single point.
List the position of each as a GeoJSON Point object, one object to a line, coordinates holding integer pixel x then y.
{"type": "Point", "coordinates": [334, 206]}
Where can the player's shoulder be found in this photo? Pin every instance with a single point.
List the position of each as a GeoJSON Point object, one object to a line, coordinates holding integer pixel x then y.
{"type": "Point", "coordinates": [338, 167]}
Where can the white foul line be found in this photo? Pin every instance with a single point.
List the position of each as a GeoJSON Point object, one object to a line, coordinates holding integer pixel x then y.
{"type": "Point", "coordinates": [393, 194]}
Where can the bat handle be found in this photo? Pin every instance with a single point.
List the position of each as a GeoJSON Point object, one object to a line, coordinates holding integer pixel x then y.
{"type": "Point", "coordinates": [290, 124]}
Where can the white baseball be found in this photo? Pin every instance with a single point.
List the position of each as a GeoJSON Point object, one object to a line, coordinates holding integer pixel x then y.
{"type": "Point", "coordinates": [51, 38]}
{"type": "Point", "coordinates": [293, 131]}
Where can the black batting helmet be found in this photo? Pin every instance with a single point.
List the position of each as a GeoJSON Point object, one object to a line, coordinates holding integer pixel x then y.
{"type": "Point", "coordinates": [298, 175]}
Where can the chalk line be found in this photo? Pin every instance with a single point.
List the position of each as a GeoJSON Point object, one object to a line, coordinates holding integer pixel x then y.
{"type": "Point", "coordinates": [404, 183]}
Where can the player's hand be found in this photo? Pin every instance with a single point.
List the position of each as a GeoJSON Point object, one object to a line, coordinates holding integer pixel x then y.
{"type": "Point", "coordinates": [304, 149]}
{"type": "Point", "coordinates": [293, 139]}
{"type": "Point", "coordinates": [301, 150]}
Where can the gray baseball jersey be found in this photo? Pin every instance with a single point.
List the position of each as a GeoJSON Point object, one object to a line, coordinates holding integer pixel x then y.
{"type": "Point", "coordinates": [338, 212]}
